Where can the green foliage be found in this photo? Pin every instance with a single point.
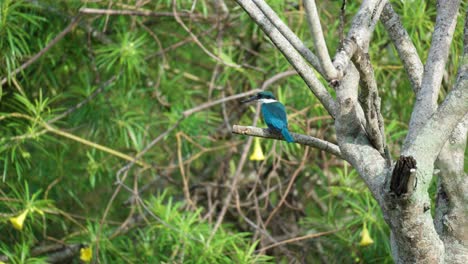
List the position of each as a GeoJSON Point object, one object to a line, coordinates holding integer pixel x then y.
{"type": "Point", "coordinates": [116, 83]}
{"type": "Point", "coordinates": [17, 24]}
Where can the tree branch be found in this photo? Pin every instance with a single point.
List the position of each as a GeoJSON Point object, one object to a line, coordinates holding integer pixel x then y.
{"type": "Point", "coordinates": [432, 136]}
{"type": "Point", "coordinates": [370, 101]}
{"type": "Point", "coordinates": [291, 54]}
{"type": "Point", "coordinates": [320, 46]}
{"type": "Point", "coordinates": [352, 138]}
{"type": "Point", "coordinates": [426, 102]}
{"type": "Point", "coordinates": [298, 138]}
{"type": "Point", "coordinates": [450, 219]}
{"type": "Point", "coordinates": [359, 34]}
{"type": "Point", "coordinates": [404, 46]}
{"type": "Point", "coordinates": [289, 35]}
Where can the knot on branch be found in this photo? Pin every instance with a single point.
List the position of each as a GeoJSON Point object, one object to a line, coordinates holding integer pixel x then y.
{"type": "Point", "coordinates": [404, 176]}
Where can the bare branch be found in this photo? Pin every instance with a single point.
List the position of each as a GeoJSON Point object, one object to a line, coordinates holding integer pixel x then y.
{"type": "Point", "coordinates": [352, 139]}
{"type": "Point", "coordinates": [404, 46]}
{"type": "Point", "coordinates": [277, 77]}
{"type": "Point", "coordinates": [291, 54]}
{"type": "Point", "coordinates": [111, 12]}
{"type": "Point", "coordinates": [298, 138]}
{"type": "Point", "coordinates": [452, 198]}
{"type": "Point", "coordinates": [426, 102]}
{"type": "Point", "coordinates": [320, 46]}
{"type": "Point", "coordinates": [295, 239]}
{"type": "Point", "coordinates": [359, 34]}
{"type": "Point", "coordinates": [289, 35]}
{"type": "Point", "coordinates": [370, 101]}
{"type": "Point", "coordinates": [432, 136]}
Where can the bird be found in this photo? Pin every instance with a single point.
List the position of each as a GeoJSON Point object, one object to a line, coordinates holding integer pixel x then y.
{"type": "Point", "coordinates": [274, 113]}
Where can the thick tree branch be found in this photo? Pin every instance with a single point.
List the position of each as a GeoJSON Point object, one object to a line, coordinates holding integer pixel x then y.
{"type": "Point", "coordinates": [291, 54]}
{"type": "Point", "coordinates": [426, 102]}
{"type": "Point", "coordinates": [289, 35]}
{"type": "Point", "coordinates": [359, 34]}
{"type": "Point", "coordinates": [352, 138]}
{"type": "Point", "coordinates": [432, 136]}
{"type": "Point", "coordinates": [319, 40]}
{"type": "Point", "coordinates": [451, 210]}
{"type": "Point", "coordinates": [404, 46]}
{"type": "Point", "coordinates": [370, 101]}
{"type": "Point", "coordinates": [298, 138]}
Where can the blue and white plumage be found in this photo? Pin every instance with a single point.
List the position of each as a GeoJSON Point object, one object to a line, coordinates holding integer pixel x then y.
{"type": "Point", "coordinates": [273, 113]}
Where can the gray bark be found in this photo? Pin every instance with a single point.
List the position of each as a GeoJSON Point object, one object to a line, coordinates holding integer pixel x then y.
{"type": "Point", "coordinates": [437, 133]}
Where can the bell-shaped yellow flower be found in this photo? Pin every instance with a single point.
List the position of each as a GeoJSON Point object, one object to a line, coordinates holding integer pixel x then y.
{"type": "Point", "coordinates": [86, 254]}
{"type": "Point", "coordinates": [257, 152]}
{"type": "Point", "coordinates": [18, 221]}
{"type": "Point", "coordinates": [365, 237]}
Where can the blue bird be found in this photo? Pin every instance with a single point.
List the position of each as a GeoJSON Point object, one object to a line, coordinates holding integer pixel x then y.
{"type": "Point", "coordinates": [273, 113]}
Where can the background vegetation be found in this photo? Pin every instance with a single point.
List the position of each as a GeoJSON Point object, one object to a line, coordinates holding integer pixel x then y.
{"type": "Point", "coordinates": [110, 87]}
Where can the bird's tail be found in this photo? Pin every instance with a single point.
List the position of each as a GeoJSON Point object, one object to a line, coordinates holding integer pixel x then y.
{"type": "Point", "coordinates": [286, 135]}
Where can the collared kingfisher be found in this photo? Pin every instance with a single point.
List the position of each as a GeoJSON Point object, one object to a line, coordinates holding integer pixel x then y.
{"type": "Point", "coordinates": [273, 113]}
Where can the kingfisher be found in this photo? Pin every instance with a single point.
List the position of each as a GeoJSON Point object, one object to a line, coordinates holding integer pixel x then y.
{"type": "Point", "coordinates": [273, 113]}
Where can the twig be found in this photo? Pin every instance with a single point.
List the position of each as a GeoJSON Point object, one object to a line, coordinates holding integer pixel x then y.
{"type": "Point", "coordinates": [235, 179]}
{"type": "Point", "coordinates": [189, 112]}
{"type": "Point", "coordinates": [196, 40]}
{"type": "Point", "coordinates": [295, 239]}
{"type": "Point", "coordinates": [288, 188]}
{"type": "Point", "coordinates": [298, 138]}
{"type": "Point", "coordinates": [85, 101]}
{"type": "Point", "coordinates": [44, 50]}
{"type": "Point", "coordinates": [113, 12]}
{"type": "Point", "coordinates": [342, 21]}
{"type": "Point", "coordinates": [75, 138]}
{"type": "Point", "coordinates": [277, 77]}
{"type": "Point", "coordinates": [317, 34]}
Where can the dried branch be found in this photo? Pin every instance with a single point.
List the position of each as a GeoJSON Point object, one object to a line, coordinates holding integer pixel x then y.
{"type": "Point", "coordinates": [295, 239]}
{"type": "Point", "coordinates": [404, 46]}
{"type": "Point", "coordinates": [298, 138]}
{"type": "Point", "coordinates": [426, 102]}
{"type": "Point", "coordinates": [196, 40]}
{"type": "Point", "coordinates": [291, 54]}
{"type": "Point", "coordinates": [289, 35]}
{"type": "Point", "coordinates": [112, 12]}
{"type": "Point", "coordinates": [320, 46]}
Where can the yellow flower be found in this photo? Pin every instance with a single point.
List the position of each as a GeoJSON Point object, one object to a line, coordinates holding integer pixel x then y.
{"type": "Point", "coordinates": [86, 254]}
{"type": "Point", "coordinates": [257, 153]}
{"type": "Point", "coordinates": [18, 221]}
{"type": "Point", "coordinates": [365, 237]}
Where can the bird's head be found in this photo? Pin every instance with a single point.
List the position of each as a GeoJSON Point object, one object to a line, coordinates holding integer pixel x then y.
{"type": "Point", "coordinates": [264, 97]}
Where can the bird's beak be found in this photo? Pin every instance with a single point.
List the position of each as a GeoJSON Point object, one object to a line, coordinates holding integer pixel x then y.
{"type": "Point", "coordinates": [250, 99]}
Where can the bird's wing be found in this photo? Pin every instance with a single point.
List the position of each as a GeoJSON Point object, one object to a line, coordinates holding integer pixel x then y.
{"type": "Point", "coordinates": [276, 115]}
